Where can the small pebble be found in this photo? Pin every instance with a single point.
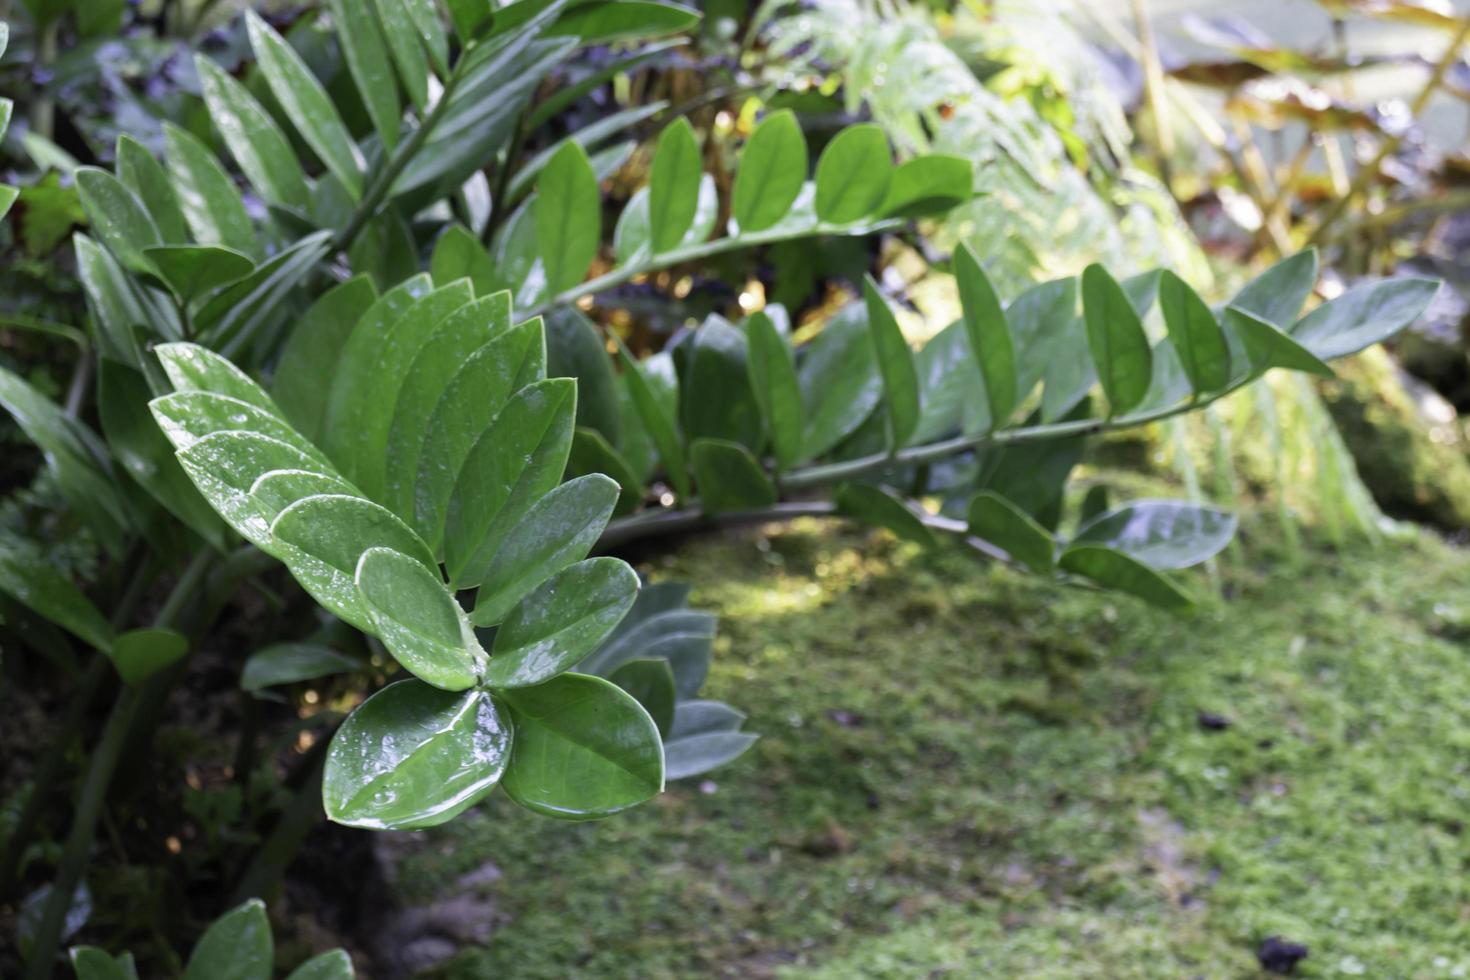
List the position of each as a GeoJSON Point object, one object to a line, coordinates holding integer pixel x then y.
{"type": "Point", "coordinates": [1279, 955]}
{"type": "Point", "coordinates": [1212, 722]}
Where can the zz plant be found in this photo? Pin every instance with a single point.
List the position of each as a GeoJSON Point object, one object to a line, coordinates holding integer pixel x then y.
{"type": "Point", "coordinates": [440, 459]}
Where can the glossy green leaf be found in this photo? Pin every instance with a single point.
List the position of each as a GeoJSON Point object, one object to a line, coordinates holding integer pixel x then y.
{"type": "Point", "coordinates": [36, 584]}
{"type": "Point", "coordinates": [321, 540]}
{"type": "Point", "coordinates": [91, 963]}
{"type": "Point", "coordinates": [591, 453]}
{"type": "Point", "coordinates": [895, 365]}
{"type": "Point", "coordinates": [225, 465]}
{"type": "Point", "coordinates": [255, 141]}
{"type": "Point", "coordinates": [408, 50]}
{"type": "Point", "coordinates": [309, 359]}
{"type": "Point", "coordinates": [188, 416]}
{"type": "Point", "coordinates": [1162, 533]}
{"type": "Point", "coordinates": [137, 168]}
{"type": "Point", "coordinates": [772, 371]}
{"type": "Point", "coordinates": [1277, 294]}
{"type": "Point", "coordinates": [693, 755]}
{"type": "Point", "coordinates": [683, 637]}
{"type": "Point", "coordinates": [1266, 346]}
{"type": "Point", "coordinates": [138, 654]}
{"type": "Point", "coordinates": [651, 684]}
{"type": "Point", "coordinates": [366, 54]}
{"type": "Point", "coordinates": [117, 217]}
{"type": "Point", "coordinates": [1039, 319]}
{"type": "Point", "coordinates": [840, 383]}
{"type": "Point", "coordinates": [458, 254]}
{"type": "Point", "coordinates": [332, 965]}
{"type": "Point", "coordinates": [275, 490]}
{"type": "Point", "coordinates": [773, 167]}
{"type": "Point", "coordinates": [413, 756]}
{"type": "Point", "coordinates": [1115, 570]}
{"type": "Point", "coordinates": [653, 386]}
{"type": "Point", "coordinates": [950, 386]}
{"type": "Point", "coordinates": [673, 185]}
{"type": "Point", "coordinates": [881, 507]}
{"type": "Point", "coordinates": [191, 271]}
{"type": "Point", "coordinates": [238, 946]}
{"type": "Point", "coordinates": [700, 717]}
{"type": "Point", "coordinates": [1116, 340]}
{"type": "Point", "coordinates": [929, 184]}
{"type": "Point", "coordinates": [729, 478]}
{"type": "Point", "coordinates": [853, 174]}
{"type": "Point", "coordinates": [989, 333]}
{"type": "Point", "coordinates": [997, 520]}
{"type": "Point", "coordinates": [718, 400]}
{"type": "Point", "coordinates": [1363, 316]}
{"type": "Point", "coordinates": [473, 398]}
{"type": "Point", "coordinates": [518, 459]}
{"type": "Point", "coordinates": [306, 104]}
{"type": "Point", "coordinates": [212, 206]}
{"type": "Point", "coordinates": [234, 317]}
{"type": "Point", "coordinates": [191, 367]}
{"type": "Point", "coordinates": [558, 530]}
{"type": "Point", "coordinates": [583, 749]}
{"type": "Point", "coordinates": [568, 213]}
{"type": "Point", "coordinates": [291, 663]}
{"type": "Point", "coordinates": [575, 349]}
{"type": "Point", "coordinates": [595, 23]}
{"type": "Point", "coordinates": [417, 619]}
{"type": "Point", "coordinates": [560, 622]}
{"type": "Point", "coordinates": [1197, 337]}
{"type": "Point", "coordinates": [452, 343]}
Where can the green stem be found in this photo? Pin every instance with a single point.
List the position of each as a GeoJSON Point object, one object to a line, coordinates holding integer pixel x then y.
{"type": "Point", "coordinates": [296, 820]}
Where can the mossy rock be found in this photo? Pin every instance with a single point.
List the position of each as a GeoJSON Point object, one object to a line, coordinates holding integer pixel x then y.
{"type": "Point", "coordinates": [1406, 440]}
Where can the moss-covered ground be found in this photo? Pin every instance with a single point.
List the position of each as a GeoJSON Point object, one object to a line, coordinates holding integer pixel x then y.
{"type": "Point", "coordinates": [966, 772]}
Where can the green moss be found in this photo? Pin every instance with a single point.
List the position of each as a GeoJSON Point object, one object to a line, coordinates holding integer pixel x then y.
{"type": "Point", "coordinates": [965, 771]}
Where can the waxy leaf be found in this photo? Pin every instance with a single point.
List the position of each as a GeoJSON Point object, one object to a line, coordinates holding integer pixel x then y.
{"type": "Point", "coordinates": [559, 529]}
{"type": "Point", "coordinates": [651, 684]}
{"type": "Point", "coordinates": [560, 622]}
{"type": "Point", "coordinates": [238, 946]}
{"type": "Point", "coordinates": [591, 453]}
{"type": "Point", "coordinates": [91, 963]}
{"type": "Point", "coordinates": [518, 459]}
{"type": "Point", "coordinates": [1162, 533]}
{"type": "Point", "coordinates": [1197, 337]}
{"type": "Point", "coordinates": [255, 141]}
{"type": "Point", "coordinates": [631, 240]}
{"type": "Point", "coordinates": [995, 519]}
{"type": "Point", "coordinates": [139, 654]}
{"type": "Point", "coordinates": [413, 756]}
{"type": "Point", "coordinates": [232, 318]}
{"type": "Point", "coordinates": [458, 254]}
{"type": "Point", "coordinates": [191, 271]}
{"type": "Point", "coordinates": [575, 349]}
{"type": "Point", "coordinates": [568, 212]}
{"type": "Point", "coordinates": [930, 184]}
{"type": "Point", "coordinates": [37, 585]}
{"type": "Point", "coordinates": [989, 332]}
{"type": "Point", "coordinates": [311, 353]}
{"type": "Point", "coordinates": [321, 540]}
{"type": "Point", "coordinates": [366, 54]}
{"type": "Point", "coordinates": [1116, 339]}
{"type": "Point", "coordinates": [475, 395]}
{"type": "Point", "coordinates": [291, 663]}
{"type": "Point", "coordinates": [276, 490]}
{"type": "Point", "coordinates": [729, 478]}
{"type": "Point", "coordinates": [950, 387]}
{"type": "Point", "coordinates": [583, 749]}
{"type": "Point", "coordinates": [772, 169]}
{"type": "Point", "coordinates": [718, 400]}
{"type": "Point", "coordinates": [417, 619]}
{"type": "Point", "coordinates": [673, 185]}
{"type": "Point", "coordinates": [1266, 346]}
{"type": "Point", "coordinates": [653, 387]}
{"type": "Point", "coordinates": [693, 755]}
{"type": "Point", "coordinates": [895, 365]}
{"type": "Point", "coordinates": [191, 367]}
{"type": "Point", "coordinates": [146, 177]}
{"type": "Point", "coordinates": [306, 104]}
{"type": "Point", "coordinates": [683, 637]}
{"type": "Point", "coordinates": [188, 416]}
{"type": "Point", "coordinates": [332, 965]}
{"type": "Point", "coordinates": [697, 717]}
{"type": "Point", "coordinates": [772, 370]}
{"type": "Point", "coordinates": [1277, 294]}
{"type": "Point", "coordinates": [211, 205]}
{"type": "Point", "coordinates": [840, 384]}
{"type": "Point", "coordinates": [1115, 570]}
{"type": "Point", "coordinates": [881, 507]}
{"type": "Point", "coordinates": [594, 23]}
{"type": "Point", "coordinates": [853, 174]}
{"type": "Point", "coordinates": [1363, 316]}
{"type": "Point", "coordinates": [117, 217]}
{"type": "Point", "coordinates": [226, 465]}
